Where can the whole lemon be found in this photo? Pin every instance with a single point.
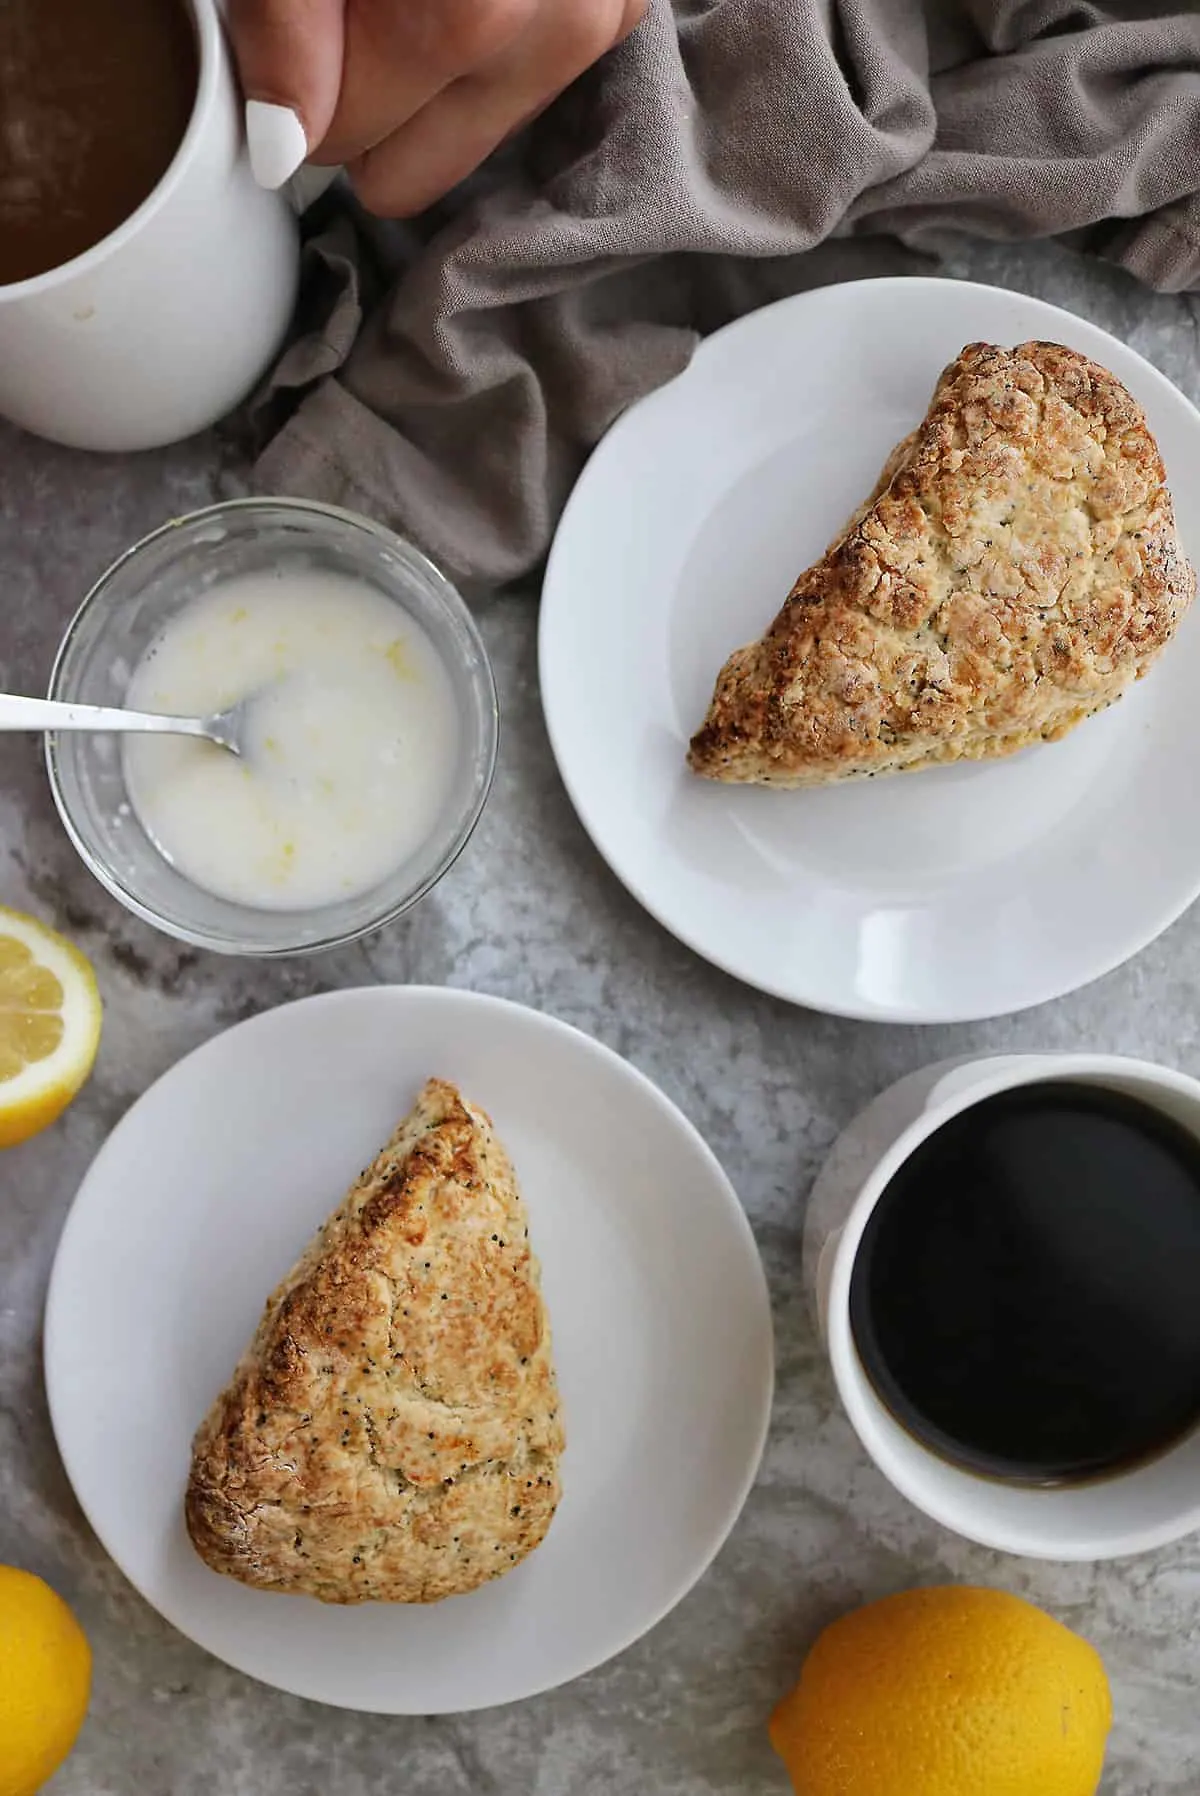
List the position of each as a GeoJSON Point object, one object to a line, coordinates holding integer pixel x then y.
{"type": "Point", "coordinates": [948, 1691]}
{"type": "Point", "coordinates": [45, 1678]}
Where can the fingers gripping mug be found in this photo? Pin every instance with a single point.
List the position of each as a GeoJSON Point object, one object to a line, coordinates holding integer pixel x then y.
{"type": "Point", "coordinates": [165, 324]}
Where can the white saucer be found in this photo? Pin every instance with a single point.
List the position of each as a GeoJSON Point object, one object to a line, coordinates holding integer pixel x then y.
{"type": "Point", "coordinates": [211, 1185]}
{"type": "Point", "coordinates": [960, 893]}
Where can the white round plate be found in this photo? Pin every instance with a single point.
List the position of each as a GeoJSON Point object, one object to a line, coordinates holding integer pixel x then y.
{"type": "Point", "coordinates": [212, 1184]}
{"type": "Point", "coordinates": [960, 893]}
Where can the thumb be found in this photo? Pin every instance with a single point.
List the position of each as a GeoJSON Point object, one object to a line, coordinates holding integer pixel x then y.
{"type": "Point", "coordinates": [289, 57]}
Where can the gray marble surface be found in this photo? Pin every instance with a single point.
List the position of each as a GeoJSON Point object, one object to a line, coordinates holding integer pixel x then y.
{"type": "Point", "coordinates": [531, 913]}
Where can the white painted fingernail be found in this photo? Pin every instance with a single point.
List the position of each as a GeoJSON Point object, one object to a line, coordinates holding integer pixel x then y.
{"type": "Point", "coordinates": [276, 142]}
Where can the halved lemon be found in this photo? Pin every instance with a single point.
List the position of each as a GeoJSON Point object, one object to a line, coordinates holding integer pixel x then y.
{"type": "Point", "coordinates": [50, 1017]}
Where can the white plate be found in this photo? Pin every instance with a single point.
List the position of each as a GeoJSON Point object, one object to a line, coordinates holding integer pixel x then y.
{"type": "Point", "coordinates": [211, 1185]}
{"type": "Point", "coordinates": [959, 893]}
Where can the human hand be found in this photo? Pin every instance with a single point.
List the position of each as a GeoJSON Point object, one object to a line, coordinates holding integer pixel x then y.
{"type": "Point", "coordinates": [411, 95]}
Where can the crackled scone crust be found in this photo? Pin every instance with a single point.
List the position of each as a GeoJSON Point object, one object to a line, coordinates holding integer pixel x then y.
{"type": "Point", "coordinates": [1017, 568]}
{"type": "Point", "coordinates": [392, 1432]}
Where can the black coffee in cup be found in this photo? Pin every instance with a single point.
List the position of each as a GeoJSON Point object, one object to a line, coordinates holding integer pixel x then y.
{"type": "Point", "coordinates": [1026, 1297]}
{"type": "Point", "coordinates": [95, 98]}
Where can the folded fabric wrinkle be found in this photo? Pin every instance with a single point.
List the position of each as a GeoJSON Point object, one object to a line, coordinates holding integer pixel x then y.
{"type": "Point", "coordinates": [451, 378]}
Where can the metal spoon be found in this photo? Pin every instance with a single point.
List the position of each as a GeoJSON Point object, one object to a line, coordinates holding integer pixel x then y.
{"type": "Point", "coordinates": [225, 728]}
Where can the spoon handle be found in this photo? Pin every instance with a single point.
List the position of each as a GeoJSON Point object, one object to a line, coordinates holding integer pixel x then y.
{"type": "Point", "coordinates": [47, 714]}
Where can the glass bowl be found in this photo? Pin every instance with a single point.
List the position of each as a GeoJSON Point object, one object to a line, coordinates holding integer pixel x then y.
{"type": "Point", "coordinates": [116, 624]}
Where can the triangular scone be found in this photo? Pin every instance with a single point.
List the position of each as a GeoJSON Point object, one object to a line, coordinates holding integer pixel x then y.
{"type": "Point", "coordinates": [1017, 568]}
{"type": "Point", "coordinates": [392, 1432]}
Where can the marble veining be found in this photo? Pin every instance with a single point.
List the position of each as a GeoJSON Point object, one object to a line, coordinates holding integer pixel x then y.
{"type": "Point", "coordinates": [530, 912]}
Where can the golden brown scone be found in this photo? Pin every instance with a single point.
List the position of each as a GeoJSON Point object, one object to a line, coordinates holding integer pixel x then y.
{"type": "Point", "coordinates": [392, 1432]}
{"type": "Point", "coordinates": [1016, 570]}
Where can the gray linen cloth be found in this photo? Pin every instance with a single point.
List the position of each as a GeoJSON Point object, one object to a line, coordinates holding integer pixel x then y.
{"type": "Point", "coordinates": [452, 376]}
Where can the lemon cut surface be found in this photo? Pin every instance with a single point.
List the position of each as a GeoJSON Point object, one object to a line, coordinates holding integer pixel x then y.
{"type": "Point", "coordinates": [50, 1018]}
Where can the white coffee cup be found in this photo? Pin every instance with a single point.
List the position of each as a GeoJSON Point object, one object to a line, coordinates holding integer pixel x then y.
{"type": "Point", "coordinates": [166, 324]}
{"type": "Point", "coordinates": [1135, 1509]}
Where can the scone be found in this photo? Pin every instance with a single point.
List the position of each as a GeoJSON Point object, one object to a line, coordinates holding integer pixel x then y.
{"type": "Point", "coordinates": [392, 1432]}
{"type": "Point", "coordinates": [1015, 570]}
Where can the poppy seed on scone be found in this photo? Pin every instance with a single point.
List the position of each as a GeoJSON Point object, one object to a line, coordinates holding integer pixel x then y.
{"type": "Point", "coordinates": [1015, 570]}
{"type": "Point", "coordinates": [392, 1433]}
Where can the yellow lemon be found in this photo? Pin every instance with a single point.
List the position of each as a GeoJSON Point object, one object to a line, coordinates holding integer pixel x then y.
{"type": "Point", "coordinates": [49, 1025]}
{"type": "Point", "coordinates": [45, 1678]}
{"type": "Point", "coordinates": [946, 1692]}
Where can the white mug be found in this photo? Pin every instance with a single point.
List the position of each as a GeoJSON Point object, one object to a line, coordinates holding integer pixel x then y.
{"type": "Point", "coordinates": [167, 323]}
{"type": "Point", "coordinates": [1132, 1510]}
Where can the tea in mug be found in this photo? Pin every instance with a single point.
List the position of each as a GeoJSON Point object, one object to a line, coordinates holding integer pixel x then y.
{"type": "Point", "coordinates": [95, 98]}
{"type": "Point", "coordinates": [1026, 1296]}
